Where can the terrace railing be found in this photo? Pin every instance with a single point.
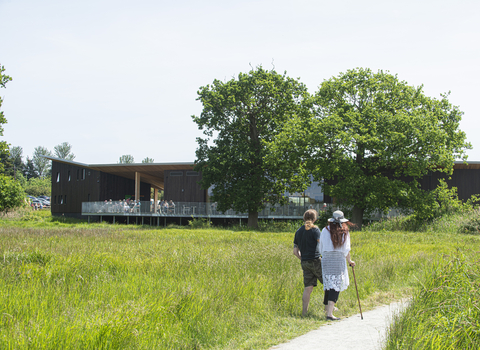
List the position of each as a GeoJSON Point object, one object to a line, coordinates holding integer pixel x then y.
{"type": "Point", "coordinates": [202, 209]}
{"type": "Point", "coordinates": [189, 209]}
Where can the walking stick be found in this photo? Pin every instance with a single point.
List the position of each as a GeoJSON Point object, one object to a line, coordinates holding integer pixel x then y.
{"type": "Point", "coordinates": [355, 279]}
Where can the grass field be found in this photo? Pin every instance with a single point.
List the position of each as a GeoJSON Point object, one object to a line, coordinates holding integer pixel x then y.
{"type": "Point", "coordinates": [71, 285]}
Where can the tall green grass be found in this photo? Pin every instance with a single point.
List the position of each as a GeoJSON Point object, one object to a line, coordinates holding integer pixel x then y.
{"type": "Point", "coordinates": [71, 285]}
{"type": "Point", "coordinates": [445, 310]}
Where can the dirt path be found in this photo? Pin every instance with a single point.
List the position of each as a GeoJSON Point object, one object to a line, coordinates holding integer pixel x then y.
{"type": "Point", "coordinates": [350, 333]}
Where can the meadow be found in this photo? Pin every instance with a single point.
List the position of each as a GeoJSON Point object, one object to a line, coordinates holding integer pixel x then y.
{"type": "Point", "coordinates": [71, 285]}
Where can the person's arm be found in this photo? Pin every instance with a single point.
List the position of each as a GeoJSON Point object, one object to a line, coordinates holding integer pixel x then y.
{"type": "Point", "coordinates": [296, 252]}
{"type": "Point", "coordinates": [349, 260]}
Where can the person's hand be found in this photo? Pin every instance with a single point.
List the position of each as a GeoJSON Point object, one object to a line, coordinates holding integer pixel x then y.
{"type": "Point", "coordinates": [351, 263]}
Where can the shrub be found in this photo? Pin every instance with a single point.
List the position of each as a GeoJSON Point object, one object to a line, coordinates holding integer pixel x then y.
{"type": "Point", "coordinates": [470, 223]}
{"type": "Point", "coordinates": [11, 194]}
{"type": "Point", "coordinates": [199, 223]}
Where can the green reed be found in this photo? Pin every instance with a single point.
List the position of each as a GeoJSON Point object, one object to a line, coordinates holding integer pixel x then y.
{"type": "Point", "coordinates": [70, 285]}
{"type": "Point", "coordinates": [445, 310]}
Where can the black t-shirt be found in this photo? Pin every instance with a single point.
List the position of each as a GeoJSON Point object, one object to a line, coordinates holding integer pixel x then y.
{"type": "Point", "coordinates": [308, 242]}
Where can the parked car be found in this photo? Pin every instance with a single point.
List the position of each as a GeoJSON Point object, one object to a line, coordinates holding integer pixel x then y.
{"type": "Point", "coordinates": [44, 202]}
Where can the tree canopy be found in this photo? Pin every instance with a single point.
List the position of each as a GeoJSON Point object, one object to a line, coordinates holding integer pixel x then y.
{"type": "Point", "coordinates": [126, 159]}
{"type": "Point", "coordinates": [64, 151]}
{"type": "Point", "coordinates": [16, 155]}
{"type": "Point", "coordinates": [12, 194]}
{"type": "Point", "coordinates": [371, 138]}
{"type": "Point", "coordinates": [42, 164]}
{"type": "Point", "coordinates": [238, 117]}
{"type": "Point", "coordinates": [3, 144]}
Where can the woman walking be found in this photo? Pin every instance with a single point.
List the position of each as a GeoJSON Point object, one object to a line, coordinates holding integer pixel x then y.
{"type": "Point", "coordinates": [335, 251]}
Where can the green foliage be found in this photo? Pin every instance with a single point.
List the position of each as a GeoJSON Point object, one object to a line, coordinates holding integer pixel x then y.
{"type": "Point", "coordinates": [32, 216]}
{"type": "Point", "coordinates": [18, 167]}
{"type": "Point", "coordinates": [371, 138]}
{"type": "Point", "coordinates": [42, 165]}
{"type": "Point", "coordinates": [445, 310]}
{"type": "Point", "coordinates": [462, 221]}
{"type": "Point", "coordinates": [126, 159]}
{"type": "Point", "coordinates": [197, 223]}
{"type": "Point", "coordinates": [6, 163]}
{"type": "Point", "coordinates": [244, 113]}
{"type": "Point", "coordinates": [11, 194]}
{"type": "Point", "coordinates": [147, 160]}
{"type": "Point", "coordinates": [470, 223]}
{"type": "Point", "coordinates": [30, 171]}
{"type": "Point", "coordinates": [3, 144]}
{"type": "Point", "coordinates": [39, 186]}
{"type": "Point", "coordinates": [440, 201]}
{"type": "Point", "coordinates": [64, 151]}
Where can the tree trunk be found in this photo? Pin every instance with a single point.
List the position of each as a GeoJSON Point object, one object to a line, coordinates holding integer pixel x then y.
{"type": "Point", "coordinates": [253, 220]}
{"type": "Point", "coordinates": [357, 217]}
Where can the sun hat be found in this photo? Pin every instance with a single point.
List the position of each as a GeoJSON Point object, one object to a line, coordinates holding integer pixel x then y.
{"type": "Point", "coordinates": [338, 217]}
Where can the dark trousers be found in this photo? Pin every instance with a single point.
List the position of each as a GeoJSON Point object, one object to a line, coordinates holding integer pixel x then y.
{"type": "Point", "coordinates": [330, 295]}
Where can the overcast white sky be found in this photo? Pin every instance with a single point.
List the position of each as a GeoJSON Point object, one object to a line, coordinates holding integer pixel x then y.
{"type": "Point", "coordinates": [121, 77]}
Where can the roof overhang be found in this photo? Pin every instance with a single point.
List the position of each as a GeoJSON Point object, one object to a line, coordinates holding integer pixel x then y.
{"type": "Point", "coordinates": [151, 173]}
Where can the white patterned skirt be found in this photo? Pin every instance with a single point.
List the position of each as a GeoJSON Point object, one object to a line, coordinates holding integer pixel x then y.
{"type": "Point", "coordinates": [334, 271]}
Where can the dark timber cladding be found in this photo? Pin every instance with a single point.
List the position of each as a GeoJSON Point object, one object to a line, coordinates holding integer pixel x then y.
{"type": "Point", "coordinates": [466, 178]}
{"type": "Point", "coordinates": [74, 183]}
{"type": "Point", "coordinates": [183, 186]}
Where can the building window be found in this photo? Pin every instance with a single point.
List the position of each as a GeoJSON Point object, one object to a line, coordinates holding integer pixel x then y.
{"type": "Point", "coordinates": [60, 199]}
{"type": "Point", "coordinates": [83, 174]}
{"type": "Point", "coordinates": [65, 199]}
{"type": "Point", "coordinates": [176, 173]}
{"type": "Point", "coordinates": [192, 173]}
{"type": "Point", "coordinates": [69, 177]}
{"type": "Point", "coordinates": [58, 177]}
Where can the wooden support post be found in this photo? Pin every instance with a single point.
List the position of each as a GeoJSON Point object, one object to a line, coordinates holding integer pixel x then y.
{"type": "Point", "coordinates": [137, 186]}
{"type": "Point", "coordinates": [155, 200]}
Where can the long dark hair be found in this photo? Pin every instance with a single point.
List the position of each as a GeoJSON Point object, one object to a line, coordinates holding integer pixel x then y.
{"type": "Point", "coordinates": [339, 233]}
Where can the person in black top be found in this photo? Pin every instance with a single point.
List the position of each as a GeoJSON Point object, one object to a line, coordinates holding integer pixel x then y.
{"type": "Point", "coordinates": [306, 248]}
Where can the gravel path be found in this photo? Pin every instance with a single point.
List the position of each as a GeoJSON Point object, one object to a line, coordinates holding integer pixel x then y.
{"type": "Point", "coordinates": [348, 333]}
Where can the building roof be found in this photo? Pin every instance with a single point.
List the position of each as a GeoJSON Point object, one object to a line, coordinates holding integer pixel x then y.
{"type": "Point", "coordinates": [151, 173]}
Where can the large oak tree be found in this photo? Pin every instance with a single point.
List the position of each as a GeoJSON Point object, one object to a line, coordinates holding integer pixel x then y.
{"type": "Point", "coordinates": [371, 138]}
{"type": "Point", "coordinates": [238, 117]}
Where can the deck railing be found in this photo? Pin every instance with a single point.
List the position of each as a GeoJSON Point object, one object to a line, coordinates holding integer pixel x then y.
{"type": "Point", "coordinates": [202, 209]}
{"type": "Point", "coordinates": [188, 209]}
